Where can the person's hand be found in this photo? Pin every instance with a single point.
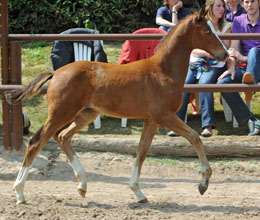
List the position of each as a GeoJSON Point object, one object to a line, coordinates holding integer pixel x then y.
{"type": "Point", "coordinates": [231, 68]}
{"type": "Point", "coordinates": [230, 71]}
{"type": "Point", "coordinates": [177, 6]}
{"type": "Point", "coordinates": [234, 53]}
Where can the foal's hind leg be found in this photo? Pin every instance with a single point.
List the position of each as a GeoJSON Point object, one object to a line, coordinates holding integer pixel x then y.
{"type": "Point", "coordinates": [174, 123]}
{"type": "Point", "coordinates": [64, 136]}
{"type": "Point", "coordinates": [35, 144]}
{"type": "Point", "coordinates": [149, 131]}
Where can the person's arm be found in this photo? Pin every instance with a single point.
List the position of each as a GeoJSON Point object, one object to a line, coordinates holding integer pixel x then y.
{"type": "Point", "coordinates": [235, 51]}
{"type": "Point", "coordinates": [201, 53]}
{"type": "Point", "coordinates": [175, 9]}
{"type": "Point", "coordinates": [232, 60]}
{"type": "Point", "coordinates": [163, 22]}
{"type": "Point", "coordinates": [175, 19]}
{"type": "Point", "coordinates": [231, 69]}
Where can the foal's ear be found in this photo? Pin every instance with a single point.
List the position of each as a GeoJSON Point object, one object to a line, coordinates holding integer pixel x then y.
{"type": "Point", "coordinates": [201, 14]}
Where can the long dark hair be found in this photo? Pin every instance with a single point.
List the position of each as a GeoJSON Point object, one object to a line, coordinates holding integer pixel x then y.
{"type": "Point", "coordinates": [209, 15]}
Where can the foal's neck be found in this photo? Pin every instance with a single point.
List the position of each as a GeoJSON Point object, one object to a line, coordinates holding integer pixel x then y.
{"type": "Point", "coordinates": [174, 53]}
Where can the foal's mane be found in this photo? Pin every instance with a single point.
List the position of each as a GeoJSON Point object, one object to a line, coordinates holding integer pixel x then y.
{"type": "Point", "coordinates": [183, 24]}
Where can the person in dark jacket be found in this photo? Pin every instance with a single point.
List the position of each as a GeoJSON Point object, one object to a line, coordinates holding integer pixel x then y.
{"type": "Point", "coordinates": [63, 52]}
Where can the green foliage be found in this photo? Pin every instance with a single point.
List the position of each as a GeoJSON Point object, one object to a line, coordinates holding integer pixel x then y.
{"type": "Point", "coordinates": [28, 16]}
{"type": "Point", "coordinates": [108, 16]}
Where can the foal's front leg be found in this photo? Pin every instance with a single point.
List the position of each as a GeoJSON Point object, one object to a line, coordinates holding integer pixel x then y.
{"type": "Point", "coordinates": [174, 123]}
{"type": "Point", "coordinates": [149, 131]}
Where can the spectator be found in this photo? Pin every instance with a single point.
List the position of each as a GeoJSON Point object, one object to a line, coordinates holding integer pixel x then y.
{"type": "Point", "coordinates": [244, 63]}
{"type": "Point", "coordinates": [205, 69]}
{"type": "Point", "coordinates": [233, 9]}
{"type": "Point", "coordinates": [168, 17]}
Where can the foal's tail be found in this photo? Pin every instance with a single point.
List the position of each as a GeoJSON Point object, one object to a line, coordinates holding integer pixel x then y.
{"type": "Point", "coordinates": [33, 88]}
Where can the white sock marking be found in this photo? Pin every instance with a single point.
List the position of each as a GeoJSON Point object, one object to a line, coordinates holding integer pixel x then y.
{"type": "Point", "coordinates": [19, 183]}
{"type": "Point", "coordinates": [79, 172]}
{"type": "Point", "coordinates": [134, 184]}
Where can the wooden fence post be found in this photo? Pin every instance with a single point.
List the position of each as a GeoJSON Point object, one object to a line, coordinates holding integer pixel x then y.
{"type": "Point", "coordinates": [5, 72]}
{"type": "Point", "coordinates": [16, 78]}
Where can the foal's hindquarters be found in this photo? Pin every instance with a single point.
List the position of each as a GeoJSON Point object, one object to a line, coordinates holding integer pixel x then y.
{"type": "Point", "coordinates": [65, 117]}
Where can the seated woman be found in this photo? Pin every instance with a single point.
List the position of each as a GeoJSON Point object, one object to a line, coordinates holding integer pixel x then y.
{"type": "Point", "coordinates": [169, 16]}
{"type": "Point", "coordinates": [204, 69]}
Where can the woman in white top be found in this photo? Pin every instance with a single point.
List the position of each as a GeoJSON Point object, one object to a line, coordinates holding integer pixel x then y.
{"type": "Point", "coordinates": [204, 69]}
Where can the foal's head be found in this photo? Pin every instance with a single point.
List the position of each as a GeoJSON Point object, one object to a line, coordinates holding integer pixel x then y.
{"type": "Point", "coordinates": [204, 37]}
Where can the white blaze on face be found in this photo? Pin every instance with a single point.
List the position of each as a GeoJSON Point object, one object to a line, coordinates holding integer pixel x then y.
{"type": "Point", "coordinates": [214, 32]}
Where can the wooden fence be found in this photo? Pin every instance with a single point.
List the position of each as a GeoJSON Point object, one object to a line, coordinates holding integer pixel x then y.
{"type": "Point", "coordinates": [12, 73]}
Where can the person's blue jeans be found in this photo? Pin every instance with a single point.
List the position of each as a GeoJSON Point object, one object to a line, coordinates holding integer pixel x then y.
{"type": "Point", "coordinates": [168, 29]}
{"type": "Point", "coordinates": [206, 98]}
{"type": "Point", "coordinates": [253, 63]}
{"type": "Point", "coordinates": [234, 100]}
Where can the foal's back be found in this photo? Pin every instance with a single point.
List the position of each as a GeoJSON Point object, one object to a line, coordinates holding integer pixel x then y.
{"type": "Point", "coordinates": [131, 90]}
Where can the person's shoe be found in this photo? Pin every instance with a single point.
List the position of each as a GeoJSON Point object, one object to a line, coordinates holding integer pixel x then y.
{"type": "Point", "coordinates": [206, 132]}
{"type": "Point", "coordinates": [172, 134]}
{"type": "Point", "coordinates": [254, 127]}
{"type": "Point", "coordinates": [248, 78]}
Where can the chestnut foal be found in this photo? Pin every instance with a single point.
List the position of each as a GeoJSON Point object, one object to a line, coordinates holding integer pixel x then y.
{"type": "Point", "coordinates": [150, 89]}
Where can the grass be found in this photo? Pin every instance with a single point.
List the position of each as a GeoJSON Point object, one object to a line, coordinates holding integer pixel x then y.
{"type": "Point", "coordinates": [164, 160]}
{"type": "Point", "coordinates": [239, 164]}
{"type": "Point", "coordinates": [36, 58]}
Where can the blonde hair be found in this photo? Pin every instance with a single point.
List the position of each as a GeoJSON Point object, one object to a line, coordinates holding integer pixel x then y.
{"type": "Point", "coordinates": [209, 15]}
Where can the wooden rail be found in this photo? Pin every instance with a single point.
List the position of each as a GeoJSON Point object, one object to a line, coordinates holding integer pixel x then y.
{"type": "Point", "coordinates": [234, 87]}
{"type": "Point", "coordinates": [112, 37]}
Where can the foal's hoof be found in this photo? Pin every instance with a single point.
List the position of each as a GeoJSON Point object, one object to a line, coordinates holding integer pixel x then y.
{"type": "Point", "coordinates": [202, 189]}
{"type": "Point", "coordinates": [143, 200]}
{"type": "Point", "coordinates": [20, 202]}
{"type": "Point", "coordinates": [20, 198]}
{"type": "Point", "coordinates": [82, 193]}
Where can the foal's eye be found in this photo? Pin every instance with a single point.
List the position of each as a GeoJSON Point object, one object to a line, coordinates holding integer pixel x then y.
{"type": "Point", "coordinates": [207, 31]}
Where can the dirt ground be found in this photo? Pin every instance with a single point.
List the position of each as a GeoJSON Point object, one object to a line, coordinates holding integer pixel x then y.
{"type": "Point", "coordinates": [170, 186]}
